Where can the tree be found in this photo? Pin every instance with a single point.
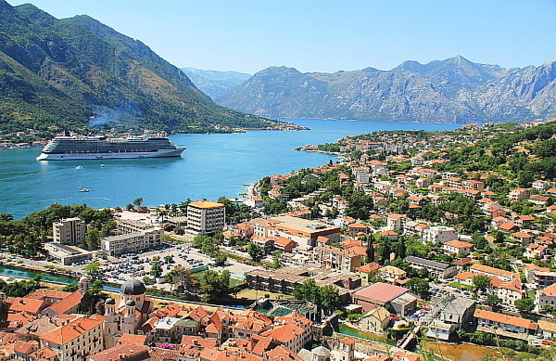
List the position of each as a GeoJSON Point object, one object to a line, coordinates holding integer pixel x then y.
{"type": "Point", "coordinates": [129, 207]}
{"type": "Point", "coordinates": [419, 286]}
{"type": "Point", "coordinates": [255, 251]}
{"type": "Point", "coordinates": [92, 239]}
{"type": "Point", "coordinates": [400, 249]}
{"type": "Point", "coordinates": [481, 282]}
{"type": "Point", "coordinates": [525, 304]}
{"type": "Point", "coordinates": [307, 291]}
{"type": "Point", "coordinates": [180, 278]}
{"type": "Point", "coordinates": [156, 270]}
{"type": "Point", "coordinates": [370, 252]}
{"type": "Point", "coordinates": [493, 300]}
{"type": "Point", "coordinates": [138, 202]}
{"type": "Point", "coordinates": [92, 269]}
{"type": "Point", "coordinates": [329, 298]}
{"type": "Point", "coordinates": [277, 259]}
{"type": "Point", "coordinates": [215, 285]}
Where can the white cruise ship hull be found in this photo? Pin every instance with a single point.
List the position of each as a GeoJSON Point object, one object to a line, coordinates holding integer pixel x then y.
{"type": "Point", "coordinates": [162, 153]}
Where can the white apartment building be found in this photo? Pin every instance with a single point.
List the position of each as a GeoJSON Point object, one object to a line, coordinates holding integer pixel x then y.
{"type": "Point", "coordinates": [440, 234]}
{"type": "Point", "coordinates": [205, 217]}
{"type": "Point", "coordinates": [69, 231]}
{"type": "Point", "coordinates": [132, 242]}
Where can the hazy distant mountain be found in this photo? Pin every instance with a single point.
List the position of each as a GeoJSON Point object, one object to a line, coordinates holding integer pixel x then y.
{"type": "Point", "coordinates": [454, 90]}
{"type": "Point", "coordinates": [215, 83]}
{"type": "Point", "coordinates": [64, 71]}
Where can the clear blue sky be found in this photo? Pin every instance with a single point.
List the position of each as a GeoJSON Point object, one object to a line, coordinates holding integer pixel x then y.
{"type": "Point", "coordinates": [323, 35]}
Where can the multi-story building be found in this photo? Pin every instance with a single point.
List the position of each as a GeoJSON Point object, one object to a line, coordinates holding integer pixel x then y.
{"type": "Point", "coordinates": [132, 242]}
{"type": "Point", "coordinates": [303, 231]}
{"type": "Point", "coordinates": [77, 340]}
{"type": "Point", "coordinates": [396, 222]}
{"type": "Point", "coordinates": [69, 231]}
{"type": "Point", "coordinates": [440, 234]}
{"type": "Point", "coordinates": [285, 279]}
{"type": "Point", "coordinates": [546, 296]}
{"type": "Point", "coordinates": [458, 247]}
{"type": "Point", "coordinates": [205, 217]}
{"type": "Point", "coordinates": [539, 276]}
{"type": "Point", "coordinates": [518, 194]}
{"type": "Point", "coordinates": [336, 258]}
{"type": "Point", "coordinates": [438, 269]}
{"type": "Point", "coordinates": [504, 325]}
{"type": "Point", "coordinates": [496, 272]}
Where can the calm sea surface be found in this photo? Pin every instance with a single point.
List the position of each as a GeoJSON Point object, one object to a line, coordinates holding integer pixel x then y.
{"type": "Point", "coordinates": [212, 165]}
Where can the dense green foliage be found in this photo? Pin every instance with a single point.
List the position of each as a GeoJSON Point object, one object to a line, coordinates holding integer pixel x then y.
{"type": "Point", "coordinates": [26, 237]}
{"type": "Point", "coordinates": [62, 72]}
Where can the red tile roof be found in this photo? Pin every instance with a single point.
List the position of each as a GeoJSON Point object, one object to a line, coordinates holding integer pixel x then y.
{"type": "Point", "coordinates": [504, 319]}
{"type": "Point", "coordinates": [71, 331]}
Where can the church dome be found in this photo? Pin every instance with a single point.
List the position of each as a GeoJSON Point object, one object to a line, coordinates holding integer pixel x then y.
{"type": "Point", "coordinates": [109, 301]}
{"type": "Point", "coordinates": [130, 303]}
{"type": "Point", "coordinates": [133, 288]}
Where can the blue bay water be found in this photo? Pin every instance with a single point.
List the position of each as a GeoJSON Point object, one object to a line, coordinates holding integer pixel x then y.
{"type": "Point", "coordinates": [213, 165]}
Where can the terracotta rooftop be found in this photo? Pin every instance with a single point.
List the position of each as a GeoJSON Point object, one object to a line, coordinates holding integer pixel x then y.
{"type": "Point", "coordinates": [505, 319]}
{"type": "Point", "coordinates": [71, 331]}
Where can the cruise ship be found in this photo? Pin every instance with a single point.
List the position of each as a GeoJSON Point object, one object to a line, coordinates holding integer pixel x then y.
{"type": "Point", "coordinates": [69, 147]}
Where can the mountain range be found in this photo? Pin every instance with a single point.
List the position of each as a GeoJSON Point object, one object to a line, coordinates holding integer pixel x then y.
{"type": "Point", "coordinates": [66, 72]}
{"type": "Point", "coordinates": [454, 90]}
{"type": "Point", "coordinates": [215, 83]}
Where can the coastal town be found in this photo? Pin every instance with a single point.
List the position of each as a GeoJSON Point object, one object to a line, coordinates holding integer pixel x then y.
{"type": "Point", "coordinates": [413, 244]}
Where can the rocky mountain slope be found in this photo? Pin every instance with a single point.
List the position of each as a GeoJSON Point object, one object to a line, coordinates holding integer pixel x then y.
{"type": "Point", "coordinates": [215, 83]}
{"type": "Point", "coordinates": [454, 90]}
{"type": "Point", "coordinates": [64, 72]}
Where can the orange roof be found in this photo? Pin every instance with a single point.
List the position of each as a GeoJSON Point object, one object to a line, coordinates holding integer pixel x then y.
{"type": "Point", "coordinates": [134, 339]}
{"type": "Point", "coordinates": [284, 241]}
{"type": "Point", "coordinates": [368, 268]}
{"type": "Point", "coordinates": [549, 291]}
{"type": "Point", "coordinates": [67, 303]}
{"type": "Point", "coordinates": [459, 244]}
{"type": "Point", "coordinates": [71, 331]}
{"type": "Point", "coordinates": [282, 353]}
{"type": "Point", "coordinates": [534, 267]}
{"type": "Point", "coordinates": [464, 275]}
{"type": "Point", "coordinates": [25, 347]}
{"type": "Point", "coordinates": [347, 341]}
{"type": "Point", "coordinates": [206, 204]}
{"type": "Point", "coordinates": [522, 235]}
{"type": "Point", "coordinates": [26, 305]}
{"type": "Point", "coordinates": [504, 319]}
{"type": "Point", "coordinates": [285, 333]}
{"type": "Point", "coordinates": [43, 293]}
{"type": "Point", "coordinates": [508, 226]}
{"type": "Point", "coordinates": [494, 271]}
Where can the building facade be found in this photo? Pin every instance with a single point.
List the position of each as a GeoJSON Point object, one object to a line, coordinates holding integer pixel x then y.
{"type": "Point", "coordinates": [205, 217]}
{"type": "Point", "coordinates": [70, 231]}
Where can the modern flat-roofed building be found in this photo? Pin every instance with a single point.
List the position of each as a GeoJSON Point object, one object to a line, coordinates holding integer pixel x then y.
{"type": "Point", "coordinates": [440, 270]}
{"type": "Point", "coordinates": [132, 242]}
{"type": "Point", "coordinates": [205, 217]}
{"type": "Point", "coordinates": [70, 231]}
{"type": "Point", "coordinates": [303, 231]}
{"type": "Point", "coordinates": [67, 255]}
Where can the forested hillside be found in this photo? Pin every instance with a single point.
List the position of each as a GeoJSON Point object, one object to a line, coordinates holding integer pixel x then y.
{"type": "Point", "coordinates": [66, 72]}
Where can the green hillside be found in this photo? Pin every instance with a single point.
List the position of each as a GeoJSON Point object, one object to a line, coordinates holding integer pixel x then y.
{"type": "Point", "coordinates": [66, 72]}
